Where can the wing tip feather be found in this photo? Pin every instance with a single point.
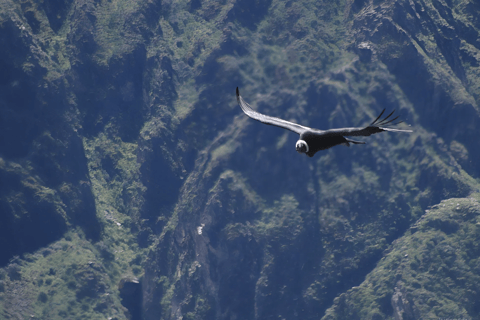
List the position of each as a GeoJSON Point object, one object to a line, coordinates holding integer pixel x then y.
{"type": "Point", "coordinates": [385, 123]}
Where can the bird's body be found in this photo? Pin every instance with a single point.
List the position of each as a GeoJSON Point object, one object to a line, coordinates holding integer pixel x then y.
{"type": "Point", "coordinates": [313, 140]}
{"type": "Point", "coordinates": [317, 142]}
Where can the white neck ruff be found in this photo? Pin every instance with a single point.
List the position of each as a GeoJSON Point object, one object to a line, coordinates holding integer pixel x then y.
{"type": "Point", "coordinates": [302, 142]}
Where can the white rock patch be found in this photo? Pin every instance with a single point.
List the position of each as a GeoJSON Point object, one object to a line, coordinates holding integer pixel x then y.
{"type": "Point", "coordinates": [199, 228]}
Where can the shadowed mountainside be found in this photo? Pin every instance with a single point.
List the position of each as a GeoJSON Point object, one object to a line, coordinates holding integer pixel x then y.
{"type": "Point", "coordinates": [132, 185]}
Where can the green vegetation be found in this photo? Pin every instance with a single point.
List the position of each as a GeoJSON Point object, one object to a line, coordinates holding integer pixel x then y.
{"type": "Point", "coordinates": [433, 269]}
{"type": "Point", "coordinates": [129, 163]}
{"type": "Point", "coordinates": [66, 279]}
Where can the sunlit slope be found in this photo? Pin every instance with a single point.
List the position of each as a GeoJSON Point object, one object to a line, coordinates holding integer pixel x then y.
{"type": "Point", "coordinates": [125, 161]}
{"type": "Point", "coordinates": [432, 271]}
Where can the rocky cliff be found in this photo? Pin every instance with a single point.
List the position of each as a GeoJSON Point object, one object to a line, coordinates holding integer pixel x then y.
{"type": "Point", "coordinates": [133, 187]}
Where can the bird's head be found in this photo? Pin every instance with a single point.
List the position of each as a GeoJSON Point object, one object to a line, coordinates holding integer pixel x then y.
{"type": "Point", "coordinates": [301, 146]}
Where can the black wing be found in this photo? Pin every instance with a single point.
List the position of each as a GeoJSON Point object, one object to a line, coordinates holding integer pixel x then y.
{"type": "Point", "coordinates": [267, 119]}
{"type": "Point", "coordinates": [375, 127]}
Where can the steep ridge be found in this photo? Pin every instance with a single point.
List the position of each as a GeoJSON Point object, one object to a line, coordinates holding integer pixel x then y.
{"type": "Point", "coordinates": [126, 163]}
{"type": "Point", "coordinates": [442, 244]}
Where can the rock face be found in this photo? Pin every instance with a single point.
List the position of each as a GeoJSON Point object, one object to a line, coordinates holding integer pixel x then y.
{"type": "Point", "coordinates": [132, 186]}
{"type": "Point", "coordinates": [402, 308]}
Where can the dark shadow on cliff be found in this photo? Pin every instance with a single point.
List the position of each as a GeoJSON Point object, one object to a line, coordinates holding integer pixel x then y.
{"type": "Point", "coordinates": [26, 223]}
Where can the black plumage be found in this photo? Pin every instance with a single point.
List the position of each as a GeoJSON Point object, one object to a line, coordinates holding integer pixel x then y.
{"type": "Point", "coordinates": [313, 140]}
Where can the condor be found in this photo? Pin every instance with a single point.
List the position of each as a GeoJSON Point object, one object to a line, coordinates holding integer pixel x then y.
{"type": "Point", "coordinates": [313, 140]}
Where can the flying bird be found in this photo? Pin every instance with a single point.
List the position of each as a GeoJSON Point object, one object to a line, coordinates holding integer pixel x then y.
{"type": "Point", "coordinates": [313, 140]}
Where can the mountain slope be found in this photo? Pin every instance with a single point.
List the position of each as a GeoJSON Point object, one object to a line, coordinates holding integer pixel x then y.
{"type": "Point", "coordinates": [132, 185]}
